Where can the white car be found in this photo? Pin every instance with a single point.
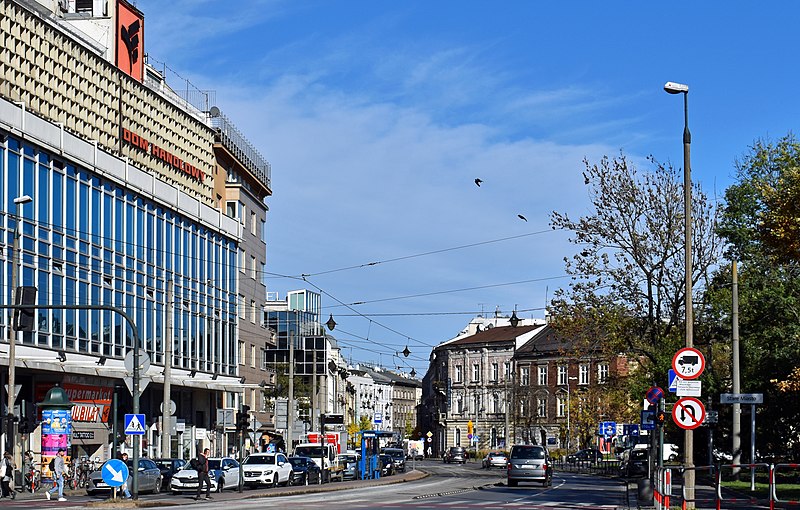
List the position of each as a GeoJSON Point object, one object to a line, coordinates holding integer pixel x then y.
{"type": "Point", "coordinates": [223, 472]}
{"type": "Point", "coordinates": [270, 469]}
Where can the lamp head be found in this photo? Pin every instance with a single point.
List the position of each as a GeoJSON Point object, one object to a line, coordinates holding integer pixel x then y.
{"type": "Point", "coordinates": [24, 199]}
{"type": "Point", "coordinates": [676, 88]}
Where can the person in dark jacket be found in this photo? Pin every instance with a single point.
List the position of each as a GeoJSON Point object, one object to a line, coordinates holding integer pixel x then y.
{"type": "Point", "coordinates": [202, 474]}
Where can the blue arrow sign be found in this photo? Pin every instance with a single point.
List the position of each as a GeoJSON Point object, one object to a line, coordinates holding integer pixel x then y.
{"type": "Point", "coordinates": [134, 424]}
{"type": "Point", "coordinates": [114, 472]}
{"type": "Point", "coordinates": [634, 430]}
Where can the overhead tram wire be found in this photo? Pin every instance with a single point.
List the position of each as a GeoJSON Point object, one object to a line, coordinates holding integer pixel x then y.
{"type": "Point", "coordinates": [425, 254]}
{"type": "Point", "coordinates": [426, 294]}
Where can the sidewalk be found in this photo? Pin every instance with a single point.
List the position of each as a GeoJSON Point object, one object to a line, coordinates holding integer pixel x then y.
{"type": "Point", "coordinates": [169, 500]}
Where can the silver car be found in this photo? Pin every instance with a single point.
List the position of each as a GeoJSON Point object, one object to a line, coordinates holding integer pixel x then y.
{"type": "Point", "coordinates": [529, 463]}
{"type": "Point", "coordinates": [149, 479]}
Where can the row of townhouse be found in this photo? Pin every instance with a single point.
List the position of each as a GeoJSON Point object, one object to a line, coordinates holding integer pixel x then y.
{"type": "Point", "coordinates": [498, 384]}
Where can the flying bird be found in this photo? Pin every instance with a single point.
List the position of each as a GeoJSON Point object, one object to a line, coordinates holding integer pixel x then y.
{"type": "Point", "coordinates": [522, 217]}
{"type": "Point", "coordinates": [478, 182]}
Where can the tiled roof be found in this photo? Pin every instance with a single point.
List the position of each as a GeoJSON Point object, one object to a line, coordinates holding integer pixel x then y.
{"type": "Point", "coordinates": [493, 335]}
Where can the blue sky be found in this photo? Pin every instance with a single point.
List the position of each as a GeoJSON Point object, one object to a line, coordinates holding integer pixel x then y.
{"type": "Point", "coordinates": [378, 116]}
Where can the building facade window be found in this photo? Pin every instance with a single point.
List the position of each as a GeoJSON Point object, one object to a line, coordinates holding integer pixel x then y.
{"type": "Point", "coordinates": [541, 407]}
{"type": "Point", "coordinates": [524, 376]}
{"type": "Point", "coordinates": [561, 407]}
{"type": "Point", "coordinates": [476, 372]}
{"type": "Point", "coordinates": [507, 368]}
{"type": "Point", "coordinates": [602, 373]}
{"type": "Point", "coordinates": [542, 375]}
{"type": "Point", "coordinates": [459, 373]}
{"type": "Point", "coordinates": [562, 375]}
{"type": "Point", "coordinates": [241, 353]}
{"type": "Point", "coordinates": [583, 374]}
{"type": "Point", "coordinates": [495, 372]}
{"type": "Point", "coordinates": [496, 404]}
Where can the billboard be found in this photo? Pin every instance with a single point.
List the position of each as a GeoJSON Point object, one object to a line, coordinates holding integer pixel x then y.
{"type": "Point", "coordinates": [130, 40]}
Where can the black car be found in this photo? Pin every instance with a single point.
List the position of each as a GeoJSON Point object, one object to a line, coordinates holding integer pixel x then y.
{"type": "Point", "coordinates": [168, 468]}
{"type": "Point", "coordinates": [386, 463]}
{"type": "Point", "coordinates": [455, 454]}
{"type": "Point", "coordinates": [304, 471]}
{"type": "Point", "coordinates": [589, 454]}
{"type": "Point", "coordinates": [398, 457]}
{"type": "Point", "coordinates": [634, 462]}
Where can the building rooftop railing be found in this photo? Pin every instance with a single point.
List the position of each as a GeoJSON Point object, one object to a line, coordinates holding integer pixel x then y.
{"type": "Point", "coordinates": [241, 148]}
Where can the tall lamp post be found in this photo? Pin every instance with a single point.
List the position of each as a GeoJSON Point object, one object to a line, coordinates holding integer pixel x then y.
{"type": "Point", "coordinates": [679, 88]}
{"type": "Point", "coordinates": [569, 404]}
{"type": "Point", "coordinates": [12, 333]}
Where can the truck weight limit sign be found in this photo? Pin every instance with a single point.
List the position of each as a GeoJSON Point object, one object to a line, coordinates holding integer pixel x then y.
{"type": "Point", "coordinates": [688, 413]}
{"type": "Point", "coordinates": [688, 363]}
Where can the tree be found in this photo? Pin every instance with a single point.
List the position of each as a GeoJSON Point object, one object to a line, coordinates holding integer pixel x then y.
{"type": "Point", "coordinates": [627, 293]}
{"type": "Point", "coordinates": [758, 222]}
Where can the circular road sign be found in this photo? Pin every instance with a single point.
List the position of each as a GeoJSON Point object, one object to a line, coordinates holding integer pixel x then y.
{"type": "Point", "coordinates": [114, 472]}
{"type": "Point", "coordinates": [144, 362]}
{"type": "Point", "coordinates": [688, 363]}
{"type": "Point", "coordinates": [688, 413]}
{"type": "Point", "coordinates": [654, 394]}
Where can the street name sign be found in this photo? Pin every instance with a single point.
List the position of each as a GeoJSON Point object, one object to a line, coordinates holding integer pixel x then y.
{"type": "Point", "coordinates": [741, 398]}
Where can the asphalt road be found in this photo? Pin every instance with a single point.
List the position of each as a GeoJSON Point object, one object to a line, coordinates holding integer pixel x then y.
{"type": "Point", "coordinates": [446, 486]}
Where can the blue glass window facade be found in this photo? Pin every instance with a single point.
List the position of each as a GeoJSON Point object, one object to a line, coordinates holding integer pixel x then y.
{"type": "Point", "coordinates": [86, 240]}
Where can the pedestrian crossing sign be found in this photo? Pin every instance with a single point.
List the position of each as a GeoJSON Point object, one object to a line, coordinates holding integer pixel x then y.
{"type": "Point", "coordinates": [134, 424]}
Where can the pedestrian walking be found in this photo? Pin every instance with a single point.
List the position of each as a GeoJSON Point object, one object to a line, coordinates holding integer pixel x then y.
{"type": "Point", "coordinates": [59, 467]}
{"type": "Point", "coordinates": [125, 491]}
{"type": "Point", "coordinates": [7, 468]}
{"type": "Point", "coordinates": [201, 465]}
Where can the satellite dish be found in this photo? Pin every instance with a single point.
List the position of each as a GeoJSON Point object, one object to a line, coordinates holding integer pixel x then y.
{"type": "Point", "coordinates": [214, 111]}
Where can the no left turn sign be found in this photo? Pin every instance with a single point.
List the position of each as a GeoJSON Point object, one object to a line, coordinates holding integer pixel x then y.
{"type": "Point", "coordinates": [688, 413]}
{"type": "Point", "coordinates": [688, 363]}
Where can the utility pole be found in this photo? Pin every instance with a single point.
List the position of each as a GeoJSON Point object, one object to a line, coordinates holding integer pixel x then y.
{"type": "Point", "coordinates": [290, 402]}
{"type": "Point", "coordinates": [166, 411]}
{"type": "Point", "coordinates": [737, 408]}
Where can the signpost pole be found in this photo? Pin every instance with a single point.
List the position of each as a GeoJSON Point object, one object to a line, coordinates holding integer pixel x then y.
{"type": "Point", "coordinates": [662, 407]}
{"type": "Point", "coordinates": [753, 447]}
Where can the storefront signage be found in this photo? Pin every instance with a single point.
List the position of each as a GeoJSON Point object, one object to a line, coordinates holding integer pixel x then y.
{"type": "Point", "coordinates": [144, 145]}
{"type": "Point", "coordinates": [83, 435]}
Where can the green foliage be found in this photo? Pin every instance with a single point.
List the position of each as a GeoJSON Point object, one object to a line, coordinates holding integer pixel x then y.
{"type": "Point", "coordinates": [627, 291]}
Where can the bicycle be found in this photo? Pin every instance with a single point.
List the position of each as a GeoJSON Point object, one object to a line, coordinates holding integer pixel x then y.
{"type": "Point", "coordinates": [33, 478]}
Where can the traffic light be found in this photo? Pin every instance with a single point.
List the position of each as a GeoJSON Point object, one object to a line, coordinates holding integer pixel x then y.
{"type": "Point", "coordinates": [243, 418]}
{"type": "Point", "coordinates": [24, 318]}
{"type": "Point", "coordinates": [661, 418]}
{"type": "Point", "coordinates": [469, 427]}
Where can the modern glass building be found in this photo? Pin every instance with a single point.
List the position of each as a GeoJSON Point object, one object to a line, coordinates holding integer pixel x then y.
{"type": "Point", "coordinates": [87, 240]}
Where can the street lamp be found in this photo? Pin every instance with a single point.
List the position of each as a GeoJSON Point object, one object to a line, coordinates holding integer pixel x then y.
{"type": "Point", "coordinates": [679, 88]}
{"type": "Point", "coordinates": [569, 403]}
{"type": "Point", "coordinates": [12, 334]}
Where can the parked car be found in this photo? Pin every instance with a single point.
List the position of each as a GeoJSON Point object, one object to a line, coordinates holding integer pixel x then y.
{"type": "Point", "coordinates": [352, 470]}
{"type": "Point", "coordinates": [588, 454]}
{"type": "Point", "coordinates": [495, 459]}
{"type": "Point", "coordinates": [168, 469]}
{"type": "Point", "coordinates": [386, 463]}
{"type": "Point", "coordinates": [223, 472]}
{"type": "Point", "coordinates": [268, 469]}
{"type": "Point", "coordinates": [149, 478]}
{"type": "Point", "coordinates": [455, 454]}
{"type": "Point", "coordinates": [670, 453]}
{"type": "Point", "coordinates": [634, 462]}
{"type": "Point", "coordinates": [529, 463]}
{"type": "Point", "coordinates": [399, 458]}
{"type": "Point", "coordinates": [304, 471]}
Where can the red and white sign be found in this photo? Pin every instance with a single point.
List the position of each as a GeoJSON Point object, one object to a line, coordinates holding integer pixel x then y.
{"type": "Point", "coordinates": [688, 363]}
{"type": "Point", "coordinates": [688, 413]}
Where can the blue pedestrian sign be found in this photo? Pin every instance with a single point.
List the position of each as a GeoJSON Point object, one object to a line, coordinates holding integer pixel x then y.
{"type": "Point", "coordinates": [673, 381]}
{"type": "Point", "coordinates": [134, 424]}
{"type": "Point", "coordinates": [114, 472]}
